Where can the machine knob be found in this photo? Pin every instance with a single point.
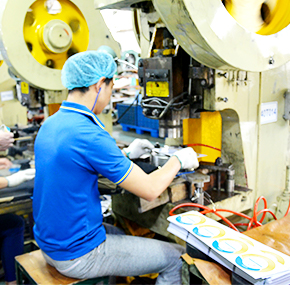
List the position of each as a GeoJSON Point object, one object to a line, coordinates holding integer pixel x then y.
{"type": "Point", "coordinates": [218, 161]}
{"type": "Point", "coordinates": [223, 99]}
{"type": "Point", "coordinates": [57, 36]}
{"type": "Point", "coordinates": [203, 83]}
{"type": "Point", "coordinates": [146, 111]}
{"type": "Point", "coordinates": [157, 145]}
{"type": "Point", "coordinates": [156, 113]}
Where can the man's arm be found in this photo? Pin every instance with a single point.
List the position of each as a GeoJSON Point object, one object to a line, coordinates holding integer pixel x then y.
{"type": "Point", "coordinates": [20, 177]}
{"type": "Point", "coordinates": [6, 140]}
{"type": "Point", "coordinates": [3, 182]}
{"type": "Point", "coordinates": [150, 186]}
{"type": "Point", "coordinates": [5, 163]}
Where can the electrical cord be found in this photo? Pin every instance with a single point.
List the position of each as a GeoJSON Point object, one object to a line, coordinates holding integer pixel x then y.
{"type": "Point", "coordinates": [126, 62]}
{"type": "Point", "coordinates": [166, 105]}
{"type": "Point", "coordinates": [129, 107]}
{"type": "Point", "coordinates": [253, 222]}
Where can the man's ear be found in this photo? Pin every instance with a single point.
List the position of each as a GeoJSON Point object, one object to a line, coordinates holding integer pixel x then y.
{"type": "Point", "coordinates": [100, 82]}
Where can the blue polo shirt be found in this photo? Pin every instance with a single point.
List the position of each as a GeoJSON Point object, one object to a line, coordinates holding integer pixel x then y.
{"type": "Point", "coordinates": [71, 149]}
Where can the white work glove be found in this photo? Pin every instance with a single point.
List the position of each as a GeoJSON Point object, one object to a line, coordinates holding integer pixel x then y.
{"type": "Point", "coordinates": [137, 148]}
{"type": "Point", "coordinates": [20, 177]}
{"type": "Point", "coordinates": [187, 158]}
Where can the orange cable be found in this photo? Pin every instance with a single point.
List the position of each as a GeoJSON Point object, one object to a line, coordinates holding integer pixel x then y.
{"type": "Point", "coordinates": [253, 222]}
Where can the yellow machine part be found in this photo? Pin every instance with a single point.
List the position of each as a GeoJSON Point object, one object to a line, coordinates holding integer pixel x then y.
{"type": "Point", "coordinates": [166, 52]}
{"type": "Point", "coordinates": [24, 87]}
{"type": "Point", "coordinates": [274, 15]}
{"type": "Point", "coordinates": [157, 89]}
{"type": "Point", "coordinates": [204, 135]}
{"type": "Point", "coordinates": [38, 17]}
{"type": "Point", "coordinates": [277, 19]}
{"type": "Point", "coordinates": [1, 61]}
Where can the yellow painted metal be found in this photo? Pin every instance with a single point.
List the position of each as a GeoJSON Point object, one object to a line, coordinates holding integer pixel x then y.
{"type": "Point", "coordinates": [259, 16]}
{"type": "Point", "coordinates": [168, 52]}
{"type": "Point", "coordinates": [278, 18]}
{"type": "Point", "coordinates": [24, 88]}
{"type": "Point", "coordinates": [157, 89]}
{"type": "Point", "coordinates": [38, 17]}
{"type": "Point", "coordinates": [1, 61]}
{"type": "Point", "coordinates": [204, 135]}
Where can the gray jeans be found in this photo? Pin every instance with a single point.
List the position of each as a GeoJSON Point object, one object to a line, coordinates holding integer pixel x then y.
{"type": "Point", "coordinates": [123, 255]}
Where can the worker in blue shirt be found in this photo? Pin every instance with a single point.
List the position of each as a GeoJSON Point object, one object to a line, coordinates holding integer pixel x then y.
{"type": "Point", "coordinates": [71, 149]}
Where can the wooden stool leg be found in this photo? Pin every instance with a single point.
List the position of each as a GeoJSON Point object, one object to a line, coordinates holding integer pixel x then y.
{"type": "Point", "coordinates": [20, 273]}
{"type": "Point", "coordinates": [19, 276]}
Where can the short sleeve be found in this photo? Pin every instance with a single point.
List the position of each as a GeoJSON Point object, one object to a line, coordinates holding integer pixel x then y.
{"type": "Point", "coordinates": [106, 158]}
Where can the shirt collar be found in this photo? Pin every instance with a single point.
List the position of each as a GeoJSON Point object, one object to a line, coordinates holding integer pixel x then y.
{"type": "Point", "coordinates": [74, 107]}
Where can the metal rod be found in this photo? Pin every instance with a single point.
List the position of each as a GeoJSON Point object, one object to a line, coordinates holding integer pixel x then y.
{"type": "Point", "coordinates": [218, 181]}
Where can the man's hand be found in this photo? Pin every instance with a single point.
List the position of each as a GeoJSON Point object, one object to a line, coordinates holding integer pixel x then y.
{"type": "Point", "coordinates": [187, 158]}
{"type": "Point", "coordinates": [137, 148]}
{"type": "Point", "coordinates": [5, 163]}
{"type": "Point", "coordinates": [20, 177]}
{"type": "Point", "coordinates": [6, 140]}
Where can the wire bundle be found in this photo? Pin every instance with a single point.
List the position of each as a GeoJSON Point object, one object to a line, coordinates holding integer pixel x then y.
{"type": "Point", "coordinates": [253, 221]}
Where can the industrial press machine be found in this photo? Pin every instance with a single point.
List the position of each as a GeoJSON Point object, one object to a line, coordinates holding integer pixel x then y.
{"type": "Point", "coordinates": [36, 39]}
{"type": "Point", "coordinates": [216, 76]}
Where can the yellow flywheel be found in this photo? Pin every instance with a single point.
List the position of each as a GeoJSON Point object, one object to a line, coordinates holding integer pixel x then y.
{"type": "Point", "coordinates": [53, 31]}
{"type": "Point", "coordinates": [260, 16]}
{"type": "Point", "coordinates": [251, 35]}
{"type": "Point", "coordinates": [37, 36]}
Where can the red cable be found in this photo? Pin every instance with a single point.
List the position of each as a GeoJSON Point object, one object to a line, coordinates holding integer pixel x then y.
{"type": "Point", "coordinates": [253, 222]}
{"type": "Point", "coordinates": [256, 207]}
{"type": "Point", "coordinates": [254, 218]}
{"type": "Point", "coordinates": [200, 144]}
{"type": "Point", "coordinates": [207, 210]}
{"type": "Point", "coordinates": [288, 210]}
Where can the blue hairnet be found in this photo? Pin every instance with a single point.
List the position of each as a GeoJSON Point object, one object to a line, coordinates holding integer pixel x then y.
{"type": "Point", "coordinates": [86, 68]}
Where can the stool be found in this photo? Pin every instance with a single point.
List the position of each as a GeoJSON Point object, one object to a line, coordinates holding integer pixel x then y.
{"type": "Point", "coordinates": [33, 266]}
